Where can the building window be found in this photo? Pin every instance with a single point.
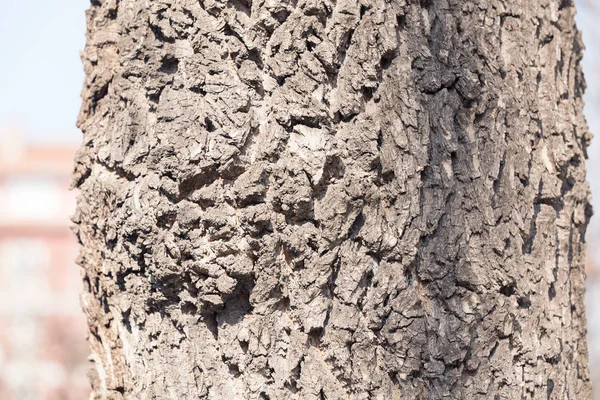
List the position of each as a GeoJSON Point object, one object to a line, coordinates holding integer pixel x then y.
{"type": "Point", "coordinates": [32, 198]}
{"type": "Point", "coordinates": [24, 265]}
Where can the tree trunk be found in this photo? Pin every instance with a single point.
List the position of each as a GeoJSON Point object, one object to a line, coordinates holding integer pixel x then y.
{"type": "Point", "coordinates": [320, 199]}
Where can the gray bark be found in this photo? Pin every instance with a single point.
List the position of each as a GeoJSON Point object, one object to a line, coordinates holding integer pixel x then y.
{"type": "Point", "coordinates": [320, 199]}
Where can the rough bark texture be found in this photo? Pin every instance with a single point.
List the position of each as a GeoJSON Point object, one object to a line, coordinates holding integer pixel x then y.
{"type": "Point", "coordinates": [320, 199]}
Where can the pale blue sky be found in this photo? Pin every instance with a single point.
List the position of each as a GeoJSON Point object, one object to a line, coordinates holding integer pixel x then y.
{"type": "Point", "coordinates": [40, 71]}
{"type": "Point", "coordinates": [588, 14]}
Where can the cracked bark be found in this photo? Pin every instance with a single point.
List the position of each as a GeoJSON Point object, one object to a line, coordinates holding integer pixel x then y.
{"type": "Point", "coordinates": [321, 199]}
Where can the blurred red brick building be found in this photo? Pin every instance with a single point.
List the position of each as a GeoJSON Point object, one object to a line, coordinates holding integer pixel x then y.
{"type": "Point", "coordinates": [42, 329]}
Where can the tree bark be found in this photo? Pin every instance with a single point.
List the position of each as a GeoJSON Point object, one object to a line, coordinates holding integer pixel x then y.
{"type": "Point", "coordinates": [320, 199]}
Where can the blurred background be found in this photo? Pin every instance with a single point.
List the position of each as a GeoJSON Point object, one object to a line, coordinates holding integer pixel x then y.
{"type": "Point", "coordinates": [43, 351]}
